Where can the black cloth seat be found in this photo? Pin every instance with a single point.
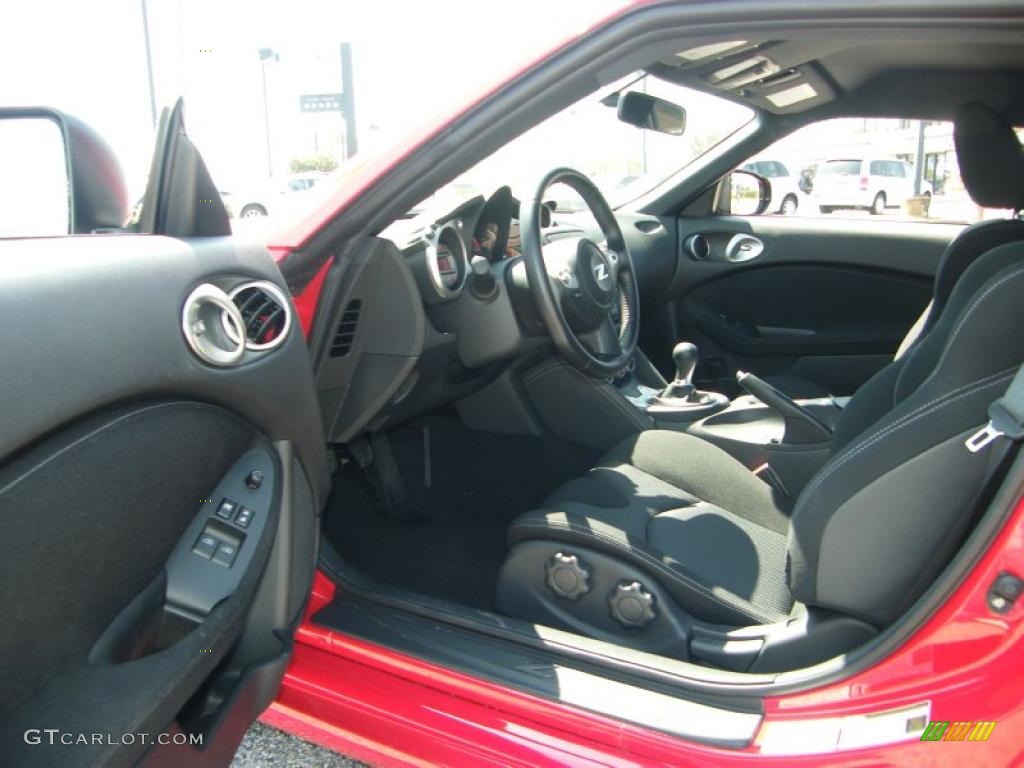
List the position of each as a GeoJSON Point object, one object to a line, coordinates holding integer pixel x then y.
{"type": "Point", "coordinates": [993, 173]}
{"type": "Point", "coordinates": [866, 536]}
{"type": "Point", "coordinates": [673, 503]}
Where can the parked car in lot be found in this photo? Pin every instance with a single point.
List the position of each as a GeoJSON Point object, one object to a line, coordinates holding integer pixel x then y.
{"type": "Point", "coordinates": [271, 198]}
{"type": "Point", "coordinates": [785, 183]}
{"type": "Point", "coordinates": [872, 184]}
{"type": "Point", "coordinates": [427, 495]}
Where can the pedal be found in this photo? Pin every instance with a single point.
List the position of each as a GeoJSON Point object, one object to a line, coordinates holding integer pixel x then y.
{"type": "Point", "coordinates": [387, 480]}
{"type": "Point", "coordinates": [361, 451]}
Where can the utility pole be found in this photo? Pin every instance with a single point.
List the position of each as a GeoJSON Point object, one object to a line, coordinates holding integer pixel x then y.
{"type": "Point", "coordinates": [149, 64]}
{"type": "Point", "coordinates": [919, 162]}
{"type": "Point", "coordinates": [266, 54]}
{"type": "Point", "coordinates": [348, 100]}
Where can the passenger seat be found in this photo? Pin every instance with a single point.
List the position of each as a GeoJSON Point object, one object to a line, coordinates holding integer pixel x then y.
{"type": "Point", "coordinates": [992, 168]}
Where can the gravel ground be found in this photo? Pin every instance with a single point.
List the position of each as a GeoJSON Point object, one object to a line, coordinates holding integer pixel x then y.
{"type": "Point", "coordinates": [266, 746]}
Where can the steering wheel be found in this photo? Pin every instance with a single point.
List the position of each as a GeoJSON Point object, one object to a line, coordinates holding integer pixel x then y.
{"type": "Point", "coordinates": [580, 285]}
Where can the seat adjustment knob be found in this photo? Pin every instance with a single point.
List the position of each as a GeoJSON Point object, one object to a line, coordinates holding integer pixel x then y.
{"type": "Point", "coordinates": [632, 605]}
{"type": "Point", "coordinates": [567, 576]}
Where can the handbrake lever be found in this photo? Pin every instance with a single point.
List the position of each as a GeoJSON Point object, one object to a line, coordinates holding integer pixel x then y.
{"type": "Point", "coordinates": [802, 426]}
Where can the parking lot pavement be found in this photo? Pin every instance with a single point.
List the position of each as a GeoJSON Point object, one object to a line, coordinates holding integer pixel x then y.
{"type": "Point", "coordinates": [265, 746]}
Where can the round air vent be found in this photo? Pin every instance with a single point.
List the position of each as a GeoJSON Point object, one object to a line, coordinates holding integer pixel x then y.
{"type": "Point", "coordinates": [265, 312]}
{"type": "Point", "coordinates": [698, 246]}
{"type": "Point", "coordinates": [212, 323]}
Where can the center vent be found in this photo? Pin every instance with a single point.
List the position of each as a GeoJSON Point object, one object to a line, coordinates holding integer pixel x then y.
{"type": "Point", "coordinates": [346, 333]}
{"type": "Point", "coordinates": [265, 313]}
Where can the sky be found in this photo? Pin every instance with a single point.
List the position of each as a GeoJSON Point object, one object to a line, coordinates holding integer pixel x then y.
{"type": "Point", "coordinates": [411, 60]}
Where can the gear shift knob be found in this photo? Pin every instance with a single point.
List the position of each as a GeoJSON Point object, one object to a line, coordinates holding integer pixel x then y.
{"type": "Point", "coordinates": [684, 355]}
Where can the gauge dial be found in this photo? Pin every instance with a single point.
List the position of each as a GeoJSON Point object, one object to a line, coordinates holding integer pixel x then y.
{"type": "Point", "coordinates": [441, 263]}
{"type": "Point", "coordinates": [446, 267]}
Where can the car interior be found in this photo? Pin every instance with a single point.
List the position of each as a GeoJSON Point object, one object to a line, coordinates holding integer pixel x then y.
{"type": "Point", "coordinates": [695, 449]}
{"type": "Point", "coordinates": [766, 471]}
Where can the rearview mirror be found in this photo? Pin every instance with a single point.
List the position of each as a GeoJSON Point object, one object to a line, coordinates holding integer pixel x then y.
{"type": "Point", "coordinates": [743, 193]}
{"type": "Point", "coordinates": [652, 113]}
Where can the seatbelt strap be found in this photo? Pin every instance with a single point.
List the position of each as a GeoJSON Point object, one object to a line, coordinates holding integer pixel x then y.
{"type": "Point", "coordinates": [1005, 417]}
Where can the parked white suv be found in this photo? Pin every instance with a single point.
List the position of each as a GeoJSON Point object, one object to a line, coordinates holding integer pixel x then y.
{"type": "Point", "coordinates": [786, 194]}
{"type": "Point", "coordinates": [871, 183]}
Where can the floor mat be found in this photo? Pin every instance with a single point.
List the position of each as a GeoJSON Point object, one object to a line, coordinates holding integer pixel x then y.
{"type": "Point", "coordinates": [476, 483]}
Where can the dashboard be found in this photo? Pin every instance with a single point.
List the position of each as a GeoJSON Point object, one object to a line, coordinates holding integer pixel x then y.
{"type": "Point", "coordinates": [438, 305]}
{"type": "Point", "coordinates": [440, 252]}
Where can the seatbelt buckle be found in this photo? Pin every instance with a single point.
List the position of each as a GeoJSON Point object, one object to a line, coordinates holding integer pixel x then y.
{"type": "Point", "coordinates": [1005, 417]}
{"type": "Point", "coordinates": [983, 437]}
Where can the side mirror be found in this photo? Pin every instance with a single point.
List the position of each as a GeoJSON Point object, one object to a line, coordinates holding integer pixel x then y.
{"type": "Point", "coordinates": [743, 193]}
{"type": "Point", "coordinates": [652, 113]}
{"type": "Point", "coordinates": [59, 176]}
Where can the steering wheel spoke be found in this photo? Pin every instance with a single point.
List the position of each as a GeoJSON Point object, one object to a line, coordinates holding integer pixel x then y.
{"type": "Point", "coordinates": [604, 340]}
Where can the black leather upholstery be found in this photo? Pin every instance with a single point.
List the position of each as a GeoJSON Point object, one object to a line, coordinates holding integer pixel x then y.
{"type": "Point", "coordinates": [870, 531]}
{"type": "Point", "coordinates": [991, 161]}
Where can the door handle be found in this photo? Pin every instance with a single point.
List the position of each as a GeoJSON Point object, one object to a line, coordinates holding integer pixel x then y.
{"type": "Point", "coordinates": [743, 248]}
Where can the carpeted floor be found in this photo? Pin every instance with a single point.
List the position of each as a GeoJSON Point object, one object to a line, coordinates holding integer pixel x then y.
{"type": "Point", "coordinates": [454, 543]}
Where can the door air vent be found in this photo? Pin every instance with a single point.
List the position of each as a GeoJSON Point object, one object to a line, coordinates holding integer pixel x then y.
{"type": "Point", "coordinates": [213, 342]}
{"type": "Point", "coordinates": [346, 332]}
{"type": "Point", "coordinates": [266, 314]}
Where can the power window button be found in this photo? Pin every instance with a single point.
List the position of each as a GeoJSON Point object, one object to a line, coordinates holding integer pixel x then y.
{"type": "Point", "coordinates": [205, 546]}
{"type": "Point", "coordinates": [227, 508]}
{"type": "Point", "coordinates": [244, 517]}
{"type": "Point", "coordinates": [225, 555]}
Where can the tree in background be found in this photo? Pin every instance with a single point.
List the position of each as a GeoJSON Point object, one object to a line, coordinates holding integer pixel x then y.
{"type": "Point", "coordinates": [324, 163]}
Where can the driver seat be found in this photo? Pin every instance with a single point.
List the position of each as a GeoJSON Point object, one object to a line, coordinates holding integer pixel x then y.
{"type": "Point", "coordinates": [672, 546]}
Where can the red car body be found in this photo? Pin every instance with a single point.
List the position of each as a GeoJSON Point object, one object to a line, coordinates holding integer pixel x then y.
{"type": "Point", "coordinates": [392, 709]}
{"type": "Point", "coordinates": [387, 708]}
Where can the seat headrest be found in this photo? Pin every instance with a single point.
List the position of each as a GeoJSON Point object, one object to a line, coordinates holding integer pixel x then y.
{"type": "Point", "coordinates": [990, 156]}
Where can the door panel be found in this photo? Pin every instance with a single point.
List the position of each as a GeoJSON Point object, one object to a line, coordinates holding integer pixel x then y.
{"type": "Point", "coordinates": [828, 300]}
{"type": "Point", "coordinates": [119, 445]}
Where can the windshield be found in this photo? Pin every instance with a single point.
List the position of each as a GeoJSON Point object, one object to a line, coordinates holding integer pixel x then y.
{"type": "Point", "coordinates": [624, 161]}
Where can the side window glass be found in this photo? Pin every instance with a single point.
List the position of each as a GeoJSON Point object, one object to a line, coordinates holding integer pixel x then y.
{"type": "Point", "coordinates": [837, 169]}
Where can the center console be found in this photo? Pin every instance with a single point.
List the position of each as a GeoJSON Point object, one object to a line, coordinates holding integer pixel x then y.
{"type": "Point", "coordinates": [783, 441]}
{"type": "Point", "coordinates": [678, 401]}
